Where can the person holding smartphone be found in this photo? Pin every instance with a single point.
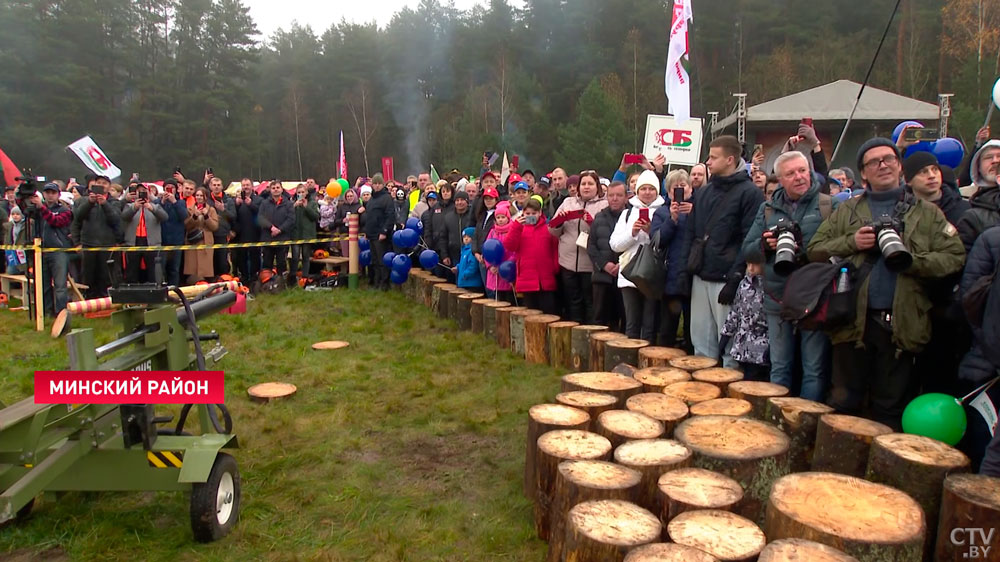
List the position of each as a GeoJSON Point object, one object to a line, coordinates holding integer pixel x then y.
{"type": "Point", "coordinates": [537, 257]}
{"type": "Point", "coordinates": [172, 232]}
{"type": "Point", "coordinates": [669, 221]}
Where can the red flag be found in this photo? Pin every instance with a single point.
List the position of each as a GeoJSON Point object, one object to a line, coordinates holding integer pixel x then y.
{"type": "Point", "coordinates": [10, 171]}
{"type": "Point", "coordinates": [387, 168]}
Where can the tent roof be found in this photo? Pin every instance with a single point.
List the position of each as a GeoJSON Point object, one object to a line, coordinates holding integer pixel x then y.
{"type": "Point", "coordinates": [833, 102]}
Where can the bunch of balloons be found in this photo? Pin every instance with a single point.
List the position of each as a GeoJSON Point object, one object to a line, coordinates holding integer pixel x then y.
{"type": "Point", "coordinates": [407, 238]}
{"type": "Point", "coordinates": [937, 416]}
{"type": "Point", "coordinates": [337, 187]}
{"type": "Point", "coordinates": [949, 151]}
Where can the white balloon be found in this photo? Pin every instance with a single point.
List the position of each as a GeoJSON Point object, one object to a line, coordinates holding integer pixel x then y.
{"type": "Point", "coordinates": [996, 93]}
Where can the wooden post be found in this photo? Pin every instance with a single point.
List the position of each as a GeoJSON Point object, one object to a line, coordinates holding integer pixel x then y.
{"type": "Point", "coordinates": [719, 376]}
{"type": "Point", "coordinates": [756, 393]}
{"type": "Point", "coordinates": [692, 363]}
{"type": "Point", "coordinates": [735, 407]}
{"type": "Point", "coordinates": [655, 356]}
{"type": "Point", "coordinates": [517, 329]}
{"type": "Point", "coordinates": [428, 290]}
{"type": "Point", "coordinates": [622, 351]}
{"type": "Point", "coordinates": [476, 314]}
{"type": "Point", "coordinates": [665, 409]}
{"type": "Point", "coordinates": [794, 550]}
{"type": "Point", "coordinates": [543, 418]}
{"type": "Point", "coordinates": [668, 552]}
{"type": "Point", "coordinates": [692, 392]}
{"type": "Point", "coordinates": [969, 500]}
{"type": "Point", "coordinates": [560, 340]}
{"type": "Point", "coordinates": [722, 534]}
{"type": "Point", "coordinates": [439, 299]}
{"type": "Point", "coordinates": [490, 318]}
{"type": "Point", "coordinates": [36, 285]}
{"type": "Point", "coordinates": [453, 295]}
{"type": "Point", "coordinates": [652, 458]}
{"type": "Point", "coordinates": [798, 418]}
{"type": "Point", "coordinates": [536, 337]}
{"type": "Point", "coordinates": [597, 345]}
{"type": "Point", "coordinates": [553, 448]}
{"type": "Point", "coordinates": [591, 402]}
{"type": "Point", "coordinates": [464, 313]}
{"type": "Point", "coordinates": [415, 285]}
{"type": "Point", "coordinates": [503, 325]}
{"type": "Point", "coordinates": [353, 263]}
{"type": "Point", "coordinates": [689, 489]}
{"type": "Point", "coordinates": [580, 346]}
{"type": "Point", "coordinates": [619, 386]}
{"type": "Point", "coordinates": [655, 379]}
{"type": "Point", "coordinates": [605, 530]}
{"type": "Point", "coordinates": [620, 426]}
{"type": "Point", "coordinates": [843, 443]}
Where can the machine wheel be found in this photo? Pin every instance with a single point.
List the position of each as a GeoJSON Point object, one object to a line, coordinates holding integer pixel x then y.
{"type": "Point", "coordinates": [215, 504]}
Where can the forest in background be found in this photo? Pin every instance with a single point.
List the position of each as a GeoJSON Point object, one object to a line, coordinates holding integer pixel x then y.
{"type": "Point", "coordinates": [192, 83]}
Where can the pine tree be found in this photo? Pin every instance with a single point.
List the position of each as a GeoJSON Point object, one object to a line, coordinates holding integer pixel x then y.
{"type": "Point", "coordinates": [597, 137]}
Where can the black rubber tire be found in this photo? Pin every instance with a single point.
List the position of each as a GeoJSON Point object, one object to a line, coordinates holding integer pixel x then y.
{"type": "Point", "coordinates": [204, 522]}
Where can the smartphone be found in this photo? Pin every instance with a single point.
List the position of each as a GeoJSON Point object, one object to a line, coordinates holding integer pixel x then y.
{"type": "Point", "coordinates": [177, 170]}
{"type": "Point", "coordinates": [644, 214]}
{"type": "Point", "coordinates": [678, 195]}
{"type": "Point", "coordinates": [514, 161]}
{"type": "Point", "coordinates": [210, 171]}
{"type": "Point", "coordinates": [633, 158]}
{"type": "Point", "coordinates": [808, 121]}
{"type": "Point", "coordinates": [915, 134]}
{"type": "Point", "coordinates": [758, 148]}
{"type": "Point", "coordinates": [72, 180]}
{"type": "Point", "coordinates": [41, 178]}
{"type": "Point", "coordinates": [493, 157]}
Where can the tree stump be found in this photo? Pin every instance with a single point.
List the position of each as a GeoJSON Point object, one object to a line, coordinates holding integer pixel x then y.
{"type": "Point", "coordinates": [439, 298]}
{"type": "Point", "coordinates": [916, 465]}
{"type": "Point", "coordinates": [752, 452]}
{"type": "Point", "coordinates": [690, 489]}
{"type": "Point", "coordinates": [622, 351]}
{"type": "Point", "coordinates": [543, 418]}
{"type": "Point", "coordinates": [620, 426]}
{"type": "Point", "coordinates": [843, 443]}
{"type": "Point", "coordinates": [477, 314]}
{"type": "Point", "coordinates": [655, 356]}
{"type": "Point", "coordinates": [692, 392]}
{"type": "Point", "coordinates": [412, 280]}
{"type": "Point", "coordinates": [553, 448]}
{"type": "Point", "coordinates": [598, 343]}
{"type": "Point", "coordinates": [453, 295]}
{"type": "Point", "coordinates": [722, 534]}
{"type": "Point", "coordinates": [619, 386]}
{"type": "Point", "coordinates": [490, 318]}
{"type": "Point", "coordinates": [801, 550]}
{"type": "Point", "coordinates": [579, 347]}
{"type": "Point", "coordinates": [652, 458]}
{"type": "Point", "coordinates": [268, 391]}
{"type": "Point", "coordinates": [655, 379]}
{"type": "Point", "coordinates": [427, 288]}
{"type": "Point", "coordinates": [536, 337]}
{"type": "Point", "coordinates": [503, 324]}
{"type": "Point", "coordinates": [872, 522]}
{"type": "Point", "coordinates": [560, 340]}
{"type": "Point", "coordinates": [692, 363]}
{"type": "Point", "coordinates": [464, 313]}
{"type": "Point", "coordinates": [719, 376]}
{"type": "Point", "coordinates": [666, 409]}
{"type": "Point", "coordinates": [668, 552]}
{"type": "Point", "coordinates": [581, 481]}
{"type": "Point", "coordinates": [798, 418]}
{"type": "Point", "coordinates": [735, 407]}
{"type": "Point", "coordinates": [969, 501]}
{"type": "Point", "coordinates": [756, 393]}
{"type": "Point", "coordinates": [624, 369]}
{"type": "Point", "coordinates": [591, 402]}
{"type": "Point", "coordinates": [605, 530]}
{"type": "Point", "coordinates": [517, 319]}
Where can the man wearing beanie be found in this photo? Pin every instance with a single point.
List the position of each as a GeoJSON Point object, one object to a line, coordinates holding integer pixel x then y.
{"type": "Point", "coordinates": [873, 356]}
{"type": "Point", "coordinates": [456, 220]}
{"type": "Point", "coordinates": [926, 180]}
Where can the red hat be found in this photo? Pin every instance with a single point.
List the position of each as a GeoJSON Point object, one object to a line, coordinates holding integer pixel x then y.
{"type": "Point", "coordinates": [491, 192]}
{"type": "Point", "coordinates": [514, 178]}
{"type": "Point", "coordinates": [488, 173]}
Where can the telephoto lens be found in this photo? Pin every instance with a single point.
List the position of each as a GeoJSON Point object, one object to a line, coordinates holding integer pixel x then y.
{"type": "Point", "coordinates": [785, 260]}
{"type": "Point", "coordinates": [897, 257]}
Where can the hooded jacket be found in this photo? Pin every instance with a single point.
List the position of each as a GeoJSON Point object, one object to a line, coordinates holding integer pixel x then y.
{"type": "Point", "coordinates": [985, 202]}
{"type": "Point", "coordinates": [449, 239]}
{"type": "Point", "coordinates": [537, 256]}
{"type": "Point", "coordinates": [672, 237]}
{"type": "Point", "coordinates": [340, 218]}
{"type": "Point", "coordinates": [306, 218]}
{"type": "Point", "coordinates": [94, 224]}
{"type": "Point", "coordinates": [380, 215]}
{"type": "Point", "coordinates": [246, 220]}
{"type": "Point", "coordinates": [622, 240]}
{"type": "Point", "coordinates": [599, 244]}
{"type": "Point", "coordinates": [573, 257]}
{"type": "Point", "coordinates": [279, 214]}
{"type": "Point", "coordinates": [227, 216]}
{"type": "Point", "coordinates": [976, 366]}
{"type": "Point", "coordinates": [434, 228]}
{"type": "Point", "coordinates": [172, 230]}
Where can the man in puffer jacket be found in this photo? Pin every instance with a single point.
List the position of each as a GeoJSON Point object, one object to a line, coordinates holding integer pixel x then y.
{"type": "Point", "coordinates": [985, 211]}
{"type": "Point", "coordinates": [572, 219]}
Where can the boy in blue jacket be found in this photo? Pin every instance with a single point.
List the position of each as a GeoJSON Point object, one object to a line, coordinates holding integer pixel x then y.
{"type": "Point", "coordinates": [467, 272]}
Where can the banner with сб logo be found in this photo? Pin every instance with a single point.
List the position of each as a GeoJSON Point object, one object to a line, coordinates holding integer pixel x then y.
{"type": "Point", "coordinates": [94, 158]}
{"type": "Point", "coordinates": [679, 144]}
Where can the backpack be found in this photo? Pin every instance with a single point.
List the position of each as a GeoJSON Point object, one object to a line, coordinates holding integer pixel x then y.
{"type": "Point", "coordinates": [813, 299]}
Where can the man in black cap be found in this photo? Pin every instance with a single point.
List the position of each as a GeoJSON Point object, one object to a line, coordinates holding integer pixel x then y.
{"type": "Point", "coordinates": [56, 218]}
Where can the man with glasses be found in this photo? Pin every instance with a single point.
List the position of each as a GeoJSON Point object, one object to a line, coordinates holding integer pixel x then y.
{"type": "Point", "coordinates": [873, 356]}
{"type": "Point", "coordinates": [985, 200]}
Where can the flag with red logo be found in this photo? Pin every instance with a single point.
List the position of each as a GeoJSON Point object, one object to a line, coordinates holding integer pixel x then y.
{"type": "Point", "coordinates": [10, 171]}
{"type": "Point", "coordinates": [677, 81]}
{"type": "Point", "coordinates": [94, 158]}
{"type": "Point", "coordinates": [342, 164]}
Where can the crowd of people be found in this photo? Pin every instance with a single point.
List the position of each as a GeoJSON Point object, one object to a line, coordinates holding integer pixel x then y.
{"type": "Point", "coordinates": [731, 239]}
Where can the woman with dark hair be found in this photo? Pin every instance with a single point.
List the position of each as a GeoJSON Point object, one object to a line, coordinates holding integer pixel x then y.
{"type": "Point", "coordinates": [571, 225]}
{"type": "Point", "coordinates": [306, 215]}
{"type": "Point", "coordinates": [201, 222]}
{"type": "Point", "coordinates": [485, 207]}
{"type": "Point", "coordinates": [349, 206]}
{"type": "Point", "coordinates": [446, 200]}
{"type": "Point", "coordinates": [537, 258]}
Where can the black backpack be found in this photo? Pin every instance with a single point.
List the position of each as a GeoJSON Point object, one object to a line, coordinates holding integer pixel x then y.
{"type": "Point", "coordinates": [811, 300]}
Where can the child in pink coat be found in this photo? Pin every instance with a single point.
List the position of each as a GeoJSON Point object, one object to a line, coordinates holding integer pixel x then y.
{"type": "Point", "coordinates": [496, 286]}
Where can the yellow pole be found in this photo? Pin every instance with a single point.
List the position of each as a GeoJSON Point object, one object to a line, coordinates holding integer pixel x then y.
{"type": "Point", "coordinates": [36, 280]}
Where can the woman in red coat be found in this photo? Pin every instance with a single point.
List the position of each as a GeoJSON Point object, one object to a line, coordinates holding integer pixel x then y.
{"type": "Point", "coordinates": [537, 258]}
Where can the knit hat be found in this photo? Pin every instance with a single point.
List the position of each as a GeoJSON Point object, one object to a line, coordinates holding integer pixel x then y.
{"type": "Point", "coordinates": [873, 143]}
{"type": "Point", "coordinates": [503, 208]}
{"type": "Point", "coordinates": [366, 189]}
{"type": "Point", "coordinates": [648, 177]}
{"type": "Point", "coordinates": [573, 180]}
{"type": "Point", "coordinates": [461, 184]}
{"type": "Point", "coordinates": [916, 162]}
{"type": "Point", "coordinates": [469, 231]}
{"type": "Point", "coordinates": [539, 199]}
{"type": "Point", "coordinates": [461, 195]}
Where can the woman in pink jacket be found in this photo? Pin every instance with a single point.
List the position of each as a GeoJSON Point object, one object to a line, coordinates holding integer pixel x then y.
{"type": "Point", "coordinates": [537, 258]}
{"type": "Point", "coordinates": [496, 286]}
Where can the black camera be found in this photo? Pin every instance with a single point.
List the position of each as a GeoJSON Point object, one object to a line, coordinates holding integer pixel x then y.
{"type": "Point", "coordinates": [26, 190]}
{"type": "Point", "coordinates": [890, 243]}
{"type": "Point", "coordinates": [788, 235]}
{"type": "Point", "coordinates": [142, 194]}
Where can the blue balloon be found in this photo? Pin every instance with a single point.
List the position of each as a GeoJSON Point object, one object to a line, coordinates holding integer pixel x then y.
{"type": "Point", "coordinates": [899, 128]}
{"type": "Point", "coordinates": [493, 251]}
{"type": "Point", "coordinates": [402, 263]}
{"type": "Point", "coordinates": [408, 238]}
{"type": "Point", "coordinates": [364, 244]}
{"type": "Point", "coordinates": [428, 259]}
{"type": "Point", "coordinates": [365, 258]}
{"type": "Point", "coordinates": [398, 277]}
{"type": "Point", "coordinates": [397, 239]}
{"type": "Point", "coordinates": [507, 271]}
{"type": "Point", "coordinates": [387, 259]}
{"type": "Point", "coordinates": [415, 224]}
{"type": "Point", "coordinates": [922, 146]}
{"type": "Point", "coordinates": [949, 152]}
{"type": "Point", "coordinates": [842, 196]}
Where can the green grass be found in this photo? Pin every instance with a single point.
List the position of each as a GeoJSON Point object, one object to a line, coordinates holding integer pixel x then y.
{"type": "Point", "coordinates": [408, 445]}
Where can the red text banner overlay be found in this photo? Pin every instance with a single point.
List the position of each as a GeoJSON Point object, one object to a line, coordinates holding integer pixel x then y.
{"type": "Point", "coordinates": [129, 387]}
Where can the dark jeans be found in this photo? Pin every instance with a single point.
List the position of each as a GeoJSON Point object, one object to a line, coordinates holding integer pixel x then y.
{"type": "Point", "coordinates": [541, 300]}
{"type": "Point", "coordinates": [54, 271]}
{"type": "Point", "coordinates": [172, 261]}
{"type": "Point", "coordinates": [640, 314]}
{"type": "Point", "coordinates": [877, 372]}
{"type": "Point", "coordinates": [220, 261]}
{"type": "Point", "coordinates": [380, 278]}
{"type": "Point", "coordinates": [672, 309]}
{"type": "Point", "coordinates": [277, 254]}
{"type": "Point", "coordinates": [95, 273]}
{"type": "Point", "coordinates": [303, 253]}
{"type": "Point", "coordinates": [246, 261]}
{"type": "Point", "coordinates": [609, 309]}
{"type": "Point", "coordinates": [134, 273]}
{"type": "Point", "coordinates": [577, 295]}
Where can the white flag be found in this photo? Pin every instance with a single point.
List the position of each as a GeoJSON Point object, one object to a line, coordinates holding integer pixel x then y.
{"type": "Point", "coordinates": [94, 158]}
{"type": "Point", "coordinates": [677, 83]}
{"type": "Point", "coordinates": [504, 169]}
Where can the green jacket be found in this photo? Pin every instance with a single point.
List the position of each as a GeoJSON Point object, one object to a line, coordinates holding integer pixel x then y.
{"type": "Point", "coordinates": [937, 251]}
{"type": "Point", "coordinates": [306, 219]}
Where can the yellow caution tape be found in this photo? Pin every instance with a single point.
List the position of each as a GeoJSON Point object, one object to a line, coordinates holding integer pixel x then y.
{"type": "Point", "coordinates": [168, 248]}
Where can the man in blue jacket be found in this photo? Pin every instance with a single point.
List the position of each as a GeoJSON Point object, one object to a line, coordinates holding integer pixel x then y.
{"type": "Point", "coordinates": [172, 230]}
{"type": "Point", "coordinates": [798, 202]}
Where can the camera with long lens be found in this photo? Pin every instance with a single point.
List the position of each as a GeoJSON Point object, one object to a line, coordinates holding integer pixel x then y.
{"type": "Point", "coordinates": [887, 234]}
{"type": "Point", "coordinates": [788, 234]}
{"type": "Point", "coordinates": [26, 190]}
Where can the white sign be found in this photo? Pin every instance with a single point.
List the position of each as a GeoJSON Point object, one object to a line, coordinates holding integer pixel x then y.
{"type": "Point", "coordinates": [679, 144]}
{"type": "Point", "coordinates": [94, 158]}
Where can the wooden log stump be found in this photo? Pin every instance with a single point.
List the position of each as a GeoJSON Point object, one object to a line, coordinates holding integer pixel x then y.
{"type": "Point", "coordinates": [439, 298]}
{"type": "Point", "coordinates": [724, 535]}
{"type": "Point", "coordinates": [517, 329]}
{"type": "Point", "coordinates": [692, 392]}
{"type": "Point", "coordinates": [619, 386]}
{"type": "Point", "coordinates": [652, 458]}
{"type": "Point", "coordinates": [735, 407]}
{"type": "Point", "coordinates": [872, 522]}
{"type": "Point", "coordinates": [620, 426]}
{"type": "Point", "coordinates": [801, 550]}
{"type": "Point", "coordinates": [416, 280]}
{"type": "Point", "coordinates": [591, 402]}
{"type": "Point", "coordinates": [692, 363]}
{"type": "Point", "coordinates": [624, 369]}
{"type": "Point", "coordinates": [690, 489]}
{"type": "Point", "coordinates": [579, 347]}
{"type": "Point", "coordinates": [719, 376]}
{"type": "Point", "coordinates": [598, 343]}
{"type": "Point", "coordinates": [536, 337]}
{"type": "Point", "coordinates": [543, 418]}
{"type": "Point", "coordinates": [490, 318]}
{"type": "Point", "coordinates": [622, 351]}
{"type": "Point", "coordinates": [756, 393]}
{"type": "Point", "coordinates": [503, 324]}
{"type": "Point", "coordinates": [798, 418]}
{"type": "Point", "coordinates": [666, 409]}
{"type": "Point", "coordinates": [843, 443]}
{"type": "Point", "coordinates": [560, 341]}
{"type": "Point", "coordinates": [268, 391]}
{"type": "Point", "coordinates": [668, 552]}
{"type": "Point", "coordinates": [553, 448]}
{"type": "Point", "coordinates": [464, 313]}
{"type": "Point", "coordinates": [655, 379]}
{"type": "Point", "coordinates": [453, 295]}
{"type": "Point", "coordinates": [969, 501]}
{"type": "Point", "coordinates": [752, 452]}
{"type": "Point", "coordinates": [427, 286]}
{"type": "Point", "coordinates": [656, 356]}
{"type": "Point", "coordinates": [476, 314]}
{"type": "Point", "coordinates": [581, 481]}
{"type": "Point", "coordinates": [605, 530]}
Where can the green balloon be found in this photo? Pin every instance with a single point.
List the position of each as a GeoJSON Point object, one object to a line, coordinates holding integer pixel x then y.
{"type": "Point", "coordinates": [937, 416]}
{"type": "Point", "coordinates": [344, 184]}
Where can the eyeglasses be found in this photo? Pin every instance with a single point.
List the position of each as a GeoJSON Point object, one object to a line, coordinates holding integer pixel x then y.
{"type": "Point", "coordinates": [888, 160]}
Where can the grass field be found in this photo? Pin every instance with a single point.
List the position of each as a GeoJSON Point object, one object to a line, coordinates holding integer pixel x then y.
{"type": "Point", "coordinates": [408, 445]}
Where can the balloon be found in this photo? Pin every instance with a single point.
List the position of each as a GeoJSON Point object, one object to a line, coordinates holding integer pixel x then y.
{"type": "Point", "coordinates": [428, 259]}
{"type": "Point", "coordinates": [387, 259]}
{"type": "Point", "coordinates": [414, 223]}
{"type": "Point", "coordinates": [996, 93]}
{"type": "Point", "coordinates": [899, 128]}
{"type": "Point", "coordinates": [949, 152]}
{"type": "Point", "coordinates": [333, 189]}
{"type": "Point", "coordinates": [365, 258]}
{"type": "Point", "coordinates": [364, 244]}
{"type": "Point", "coordinates": [397, 239]}
{"type": "Point", "coordinates": [398, 277]}
{"type": "Point", "coordinates": [922, 146]}
{"type": "Point", "coordinates": [402, 263]}
{"type": "Point", "coordinates": [842, 196]}
{"type": "Point", "coordinates": [937, 416]}
{"type": "Point", "coordinates": [344, 184]}
{"type": "Point", "coordinates": [507, 271]}
{"type": "Point", "coordinates": [493, 251]}
{"type": "Point", "coordinates": [409, 237]}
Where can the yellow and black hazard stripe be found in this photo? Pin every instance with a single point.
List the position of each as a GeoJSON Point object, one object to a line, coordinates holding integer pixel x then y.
{"type": "Point", "coordinates": [165, 459]}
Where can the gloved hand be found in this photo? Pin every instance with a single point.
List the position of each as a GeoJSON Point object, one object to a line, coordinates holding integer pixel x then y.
{"type": "Point", "coordinates": [728, 293]}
